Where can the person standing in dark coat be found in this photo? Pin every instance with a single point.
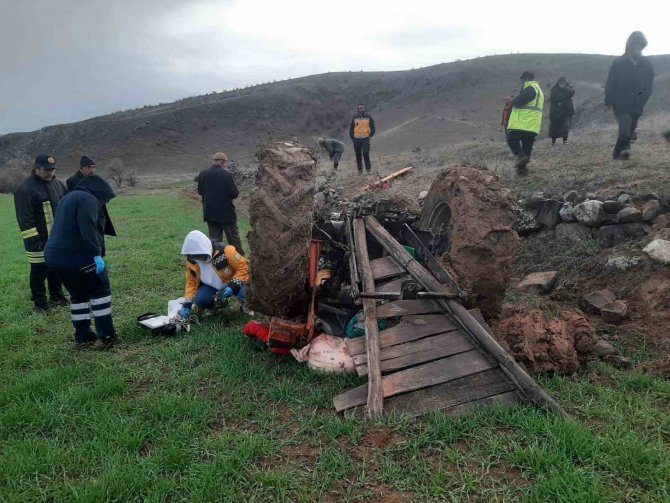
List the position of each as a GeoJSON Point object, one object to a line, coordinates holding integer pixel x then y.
{"type": "Point", "coordinates": [86, 168]}
{"type": "Point", "coordinates": [561, 110]}
{"type": "Point", "coordinates": [76, 249]}
{"type": "Point", "coordinates": [218, 190]}
{"type": "Point", "coordinates": [628, 88]}
{"type": "Point", "coordinates": [35, 202]}
{"type": "Point", "coordinates": [361, 131]}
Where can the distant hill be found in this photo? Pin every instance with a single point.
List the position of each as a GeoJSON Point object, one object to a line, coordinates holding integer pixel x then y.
{"type": "Point", "coordinates": [422, 108]}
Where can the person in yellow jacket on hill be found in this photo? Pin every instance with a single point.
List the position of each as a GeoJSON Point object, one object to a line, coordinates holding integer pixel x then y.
{"type": "Point", "coordinates": [214, 272]}
{"type": "Point", "coordinates": [525, 120]}
{"type": "Point", "coordinates": [361, 130]}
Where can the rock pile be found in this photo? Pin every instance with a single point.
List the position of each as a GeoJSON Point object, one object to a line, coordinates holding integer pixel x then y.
{"type": "Point", "coordinates": [576, 218]}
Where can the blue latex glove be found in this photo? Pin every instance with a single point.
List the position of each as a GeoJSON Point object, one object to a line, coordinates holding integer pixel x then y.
{"type": "Point", "coordinates": [227, 292]}
{"type": "Point", "coordinates": [99, 264]}
{"type": "Point", "coordinates": [184, 312]}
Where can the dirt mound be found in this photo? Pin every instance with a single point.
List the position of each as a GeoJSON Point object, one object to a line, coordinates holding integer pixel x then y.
{"type": "Point", "coordinates": [476, 207]}
{"type": "Point", "coordinates": [280, 212]}
{"type": "Point", "coordinates": [559, 345]}
{"type": "Point", "coordinates": [653, 297]}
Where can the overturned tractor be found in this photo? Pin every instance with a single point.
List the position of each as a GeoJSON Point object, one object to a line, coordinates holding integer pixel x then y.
{"type": "Point", "coordinates": [392, 280]}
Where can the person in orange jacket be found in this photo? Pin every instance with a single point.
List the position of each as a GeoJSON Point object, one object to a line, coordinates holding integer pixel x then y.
{"type": "Point", "coordinates": [214, 272]}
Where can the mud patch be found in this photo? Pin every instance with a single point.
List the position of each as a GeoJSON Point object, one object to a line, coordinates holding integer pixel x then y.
{"type": "Point", "coordinates": [478, 210]}
{"type": "Point", "coordinates": [559, 345]}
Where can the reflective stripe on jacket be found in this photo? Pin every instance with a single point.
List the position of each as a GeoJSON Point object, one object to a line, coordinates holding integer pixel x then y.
{"type": "Point", "coordinates": [528, 117]}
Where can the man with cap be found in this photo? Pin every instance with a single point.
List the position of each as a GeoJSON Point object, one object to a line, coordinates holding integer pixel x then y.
{"type": "Point", "coordinates": [628, 88]}
{"type": "Point", "coordinates": [35, 202]}
{"type": "Point", "coordinates": [76, 249]}
{"type": "Point", "coordinates": [525, 121]}
{"type": "Point", "coordinates": [218, 190]}
{"type": "Point", "coordinates": [86, 168]}
{"type": "Point", "coordinates": [335, 149]}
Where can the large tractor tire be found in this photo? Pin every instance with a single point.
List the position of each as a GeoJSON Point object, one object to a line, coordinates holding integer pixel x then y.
{"type": "Point", "coordinates": [469, 209]}
{"type": "Point", "coordinates": [281, 214]}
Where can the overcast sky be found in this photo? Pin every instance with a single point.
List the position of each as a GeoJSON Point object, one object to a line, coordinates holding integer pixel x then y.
{"type": "Point", "coordinates": [66, 60]}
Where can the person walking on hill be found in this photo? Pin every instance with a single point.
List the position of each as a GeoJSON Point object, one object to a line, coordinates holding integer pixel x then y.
{"type": "Point", "coordinates": [561, 110]}
{"type": "Point", "coordinates": [76, 249]}
{"type": "Point", "coordinates": [361, 131]}
{"type": "Point", "coordinates": [218, 190]}
{"type": "Point", "coordinates": [335, 149]}
{"type": "Point", "coordinates": [35, 202]}
{"type": "Point", "coordinates": [525, 120]}
{"type": "Point", "coordinates": [86, 168]}
{"type": "Point", "coordinates": [629, 85]}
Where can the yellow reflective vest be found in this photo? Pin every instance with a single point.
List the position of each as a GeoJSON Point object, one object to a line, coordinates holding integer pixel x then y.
{"type": "Point", "coordinates": [529, 116]}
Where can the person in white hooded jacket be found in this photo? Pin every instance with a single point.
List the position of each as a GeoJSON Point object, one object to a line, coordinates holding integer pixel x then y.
{"type": "Point", "coordinates": [213, 271]}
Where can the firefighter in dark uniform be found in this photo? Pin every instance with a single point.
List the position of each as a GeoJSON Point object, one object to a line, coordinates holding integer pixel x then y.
{"type": "Point", "coordinates": [76, 249]}
{"type": "Point", "coordinates": [35, 201]}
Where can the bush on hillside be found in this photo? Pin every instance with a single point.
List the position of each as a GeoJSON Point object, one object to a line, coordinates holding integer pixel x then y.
{"type": "Point", "coordinates": [12, 175]}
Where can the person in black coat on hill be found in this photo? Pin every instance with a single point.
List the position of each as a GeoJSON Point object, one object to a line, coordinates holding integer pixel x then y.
{"type": "Point", "coordinates": [75, 250]}
{"type": "Point", "coordinates": [561, 110]}
{"type": "Point", "coordinates": [218, 190]}
{"type": "Point", "coordinates": [628, 88]}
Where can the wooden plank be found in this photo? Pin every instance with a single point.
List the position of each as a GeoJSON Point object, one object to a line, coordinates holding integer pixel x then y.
{"type": "Point", "coordinates": [383, 268]}
{"type": "Point", "coordinates": [388, 178]}
{"type": "Point", "coordinates": [442, 349]}
{"type": "Point", "coordinates": [442, 396]}
{"type": "Point", "coordinates": [411, 328]}
{"type": "Point", "coordinates": [408, 307]}
{"type": "Point", "coordinates": [524, 382]}
{"type": "Point", "coordinates": [353, 266]}
{"type": "Point", "coordinates": [374, 392]}
{"type": "Point", "coordinates": [399, 350]}
{"type": "Point", "coordinates": [428, 374]}
{"type": "Point", "coordinates": [393, 285]}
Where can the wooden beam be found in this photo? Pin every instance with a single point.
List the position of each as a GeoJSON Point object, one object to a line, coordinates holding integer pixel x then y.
{"type": "Point", "coordinates": [526, 384]}
{"type": "Point", "coordinates": [388, 178]}
{"type": "Point", "coordinates": [428, 374]}
{"type": "Point", "coordinates": [353, 266]}
{"type": "Point", "coordinates": [375, 392]}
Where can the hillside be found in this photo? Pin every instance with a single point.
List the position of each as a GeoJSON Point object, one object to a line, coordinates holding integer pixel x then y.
{"type": "Point", "coordinates": [424, 108]}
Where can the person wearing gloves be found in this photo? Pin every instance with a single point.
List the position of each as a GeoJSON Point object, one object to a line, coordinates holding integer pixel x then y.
{"type": "Point", "coordinates": [214, 272]}
{"type": "Point", "coordinates": [75, 250]}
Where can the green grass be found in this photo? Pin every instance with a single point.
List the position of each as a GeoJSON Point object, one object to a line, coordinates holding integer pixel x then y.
{"type": "Point", "coordinates": [205, 417]}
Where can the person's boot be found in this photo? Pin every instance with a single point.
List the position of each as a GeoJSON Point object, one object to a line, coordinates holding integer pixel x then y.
{"type": "Point", "coordinates": [666, 135]}
{"type": "Point", "coordinates": [105, 343]}
{"type": "Point", "coordinates": [41, 306]}
{"type": "Point", "coordinates": [58, 299]}
{"type": "Point", "coordinates": [522, 161]}
{"type": "Point", "coordinates": [87, 341]}
{"type": "Point", "coordinates": [625, 154]}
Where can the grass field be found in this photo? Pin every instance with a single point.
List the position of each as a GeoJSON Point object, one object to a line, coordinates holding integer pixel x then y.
{"type": "Point", "coordinates": [205, 417]}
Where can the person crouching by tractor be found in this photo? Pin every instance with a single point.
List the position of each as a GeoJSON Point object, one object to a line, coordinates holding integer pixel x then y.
{"type": "Point", "coordinates": [335, 149]}
{"type": "Point", "coordinates": [214, 273]}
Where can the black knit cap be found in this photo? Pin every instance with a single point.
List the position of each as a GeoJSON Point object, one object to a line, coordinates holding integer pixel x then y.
{"type": "Point", "coordinates": [86, 161]}
{"type": "Point", "coordinates": [527, 75]}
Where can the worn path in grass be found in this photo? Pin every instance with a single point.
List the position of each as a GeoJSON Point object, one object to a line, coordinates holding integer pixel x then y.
{"type": "Point", "coordinates": [205, 417]}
